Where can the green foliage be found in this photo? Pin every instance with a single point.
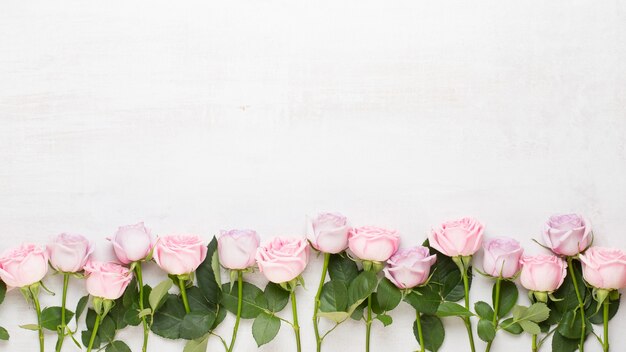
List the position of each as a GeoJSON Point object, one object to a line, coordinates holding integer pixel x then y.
{"type": "Point", "coordinates": [51, 317]}
{"type": "Point", "coordinates": [433, 332]}
{"type": "Point", "coordinates": [265, 328]}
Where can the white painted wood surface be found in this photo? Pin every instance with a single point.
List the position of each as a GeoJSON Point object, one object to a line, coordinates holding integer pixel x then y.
{"type": "Point", "coordinates": [205, 115]}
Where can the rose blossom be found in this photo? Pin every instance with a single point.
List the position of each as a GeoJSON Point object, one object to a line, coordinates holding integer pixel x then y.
{"type": "Point", "coordinates": [501, 257]}
{"type": "Point", "coordinates": [237, 248]}
{"type": "Point", "coordinates": [69, 252]}
{"type": "Point", "coordinates": [604, 268]}
{"type": "Point", "coordinates": [179, 254]}
{"type": "Point", "coordinates": [409, 267]}
{"type": "Point", "coordinates": [283, 259]}
{"type": "Point", "coordinates": [567, 234]}
{"type": "Point", "coordinates": [542, 273]}
{"type": "Point", "coordinates": [24, 265]}
{"type": "Point", "coordinates": [106, 280]}
{"type": "Point", "coordinates": [373, 243]}
{"type": "Point", "coordinates": [455, 238]}
{"type": "Point", "coordinates": [132, 243]}
{"type": "Point", "coordinates": [331, 232]}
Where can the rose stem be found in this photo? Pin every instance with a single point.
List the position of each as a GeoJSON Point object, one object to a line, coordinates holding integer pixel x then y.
{"type": "Point", "coordinates": [40, 327]}
{"type": "Point", "coordinates": [605, 311]}
{"type": "Point", "coordinates": [183, 293]}
{"type": "Point", "coordinates": [66, 280]}
{"type": "Point", "coordinates": [146, 331]}
{"type": "Point", "coordinates": [368, 324]}
{"type": "Point", "coordinates": [239, 306]}
{"type": "Point", "coordinates": [317, 302]}
{"type": "Point", "coordinates": [418, 322]}
{"type": "Point", "coordinates": [294, 311]}
{"type": "Point", "coordinates": [581, 304]}
{"type": "Point", "coordinates": [468, 322]}
{"type": "Point", "coordinates": [496, 307]}
{"type": "Point", "coordinates": [94, 332]}
{"type": "Point", "coordinates": [534, 346]}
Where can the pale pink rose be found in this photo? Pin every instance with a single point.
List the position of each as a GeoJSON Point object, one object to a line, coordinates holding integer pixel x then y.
{"type": "Point", "coordinates": [106, 280]}
{"type": "Point", "coordinates": [455, 238]}
{"type": "Point", "coordinates": [373, 243]}
{"type": "Point", "coordinates": [604, 268]}
{"type": "Point", "coordinates": [179, 254]}
{"type": "Point", "coordinates": [24, 265]}
{"type": "Point", "coordinates": [237, 248]}
{"type": "Point", "coordinates": [283, 259]}
{"type": "Point", "coordinates": [409, 267]}
{"type": "Point", "coordinates": [132, 243]}
{"type": "Point", "coordinates": [501, 257]}
{"type": "Point", "coordinates": [542, 273]}
{"type": "Point", "coordinates": [69, 252]}
{"type": "Point", "coordinates": [567, 234]}
{"type": "Point", "coordinates": [330, 231]}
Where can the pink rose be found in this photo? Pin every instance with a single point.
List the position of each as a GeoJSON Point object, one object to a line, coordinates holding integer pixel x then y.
{"type": "Point", "coordinates": [179, 254]}
{"type": "Point", "coordinates": [373, 243]}
{"type": "Point", "coordinates": [542, 273]}
{"type": "Point", "coordinates": [283, 259]}
{"type": "Point", "coordinates": [237, 248]}
{"type": "Point", "coordinates": [567, 234]}
{"type": "Point", "coordinates": [457, 238]}
{"type": "Point", "coordinates": [132, 243]}
{"type": "Point", "coordinates": [331, 232]}
{"type": "Point", "coordinates": [501, 257]}
{"type": "Point", "coordinates": [409, 267]}
{"type": "Point", "coordinates": [107, 280]}
{"type": "Point", "coordinates": [24, 265]}
{"type": "Point", "coordinates": [69, 253]}
{"type": "Point", "coordinates": [604, 268]}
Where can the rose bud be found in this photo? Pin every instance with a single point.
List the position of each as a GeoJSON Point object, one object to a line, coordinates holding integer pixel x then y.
{"type": "Point", "coordinates": [24, 265]}
{"type": "Point", "coordinates": [542, 273]}
{"type": "Point", "coordinates": [457, 238]}
{"type": "Point", "coordinates": [373, 243]}
{"type": "Point", "coordinates": [567, 234]}
{"type": "Point", "coordinates": [283, 259]}
{"type": "Point", "coordinates": [179, 254]}
{"type": "Point", "coordinates": [604, 268]}
{"type": "Point", "coordinates": [106, 280]}
{"type": "Point", "coordinates": [132, 243]}
{"type": "Point", "coordinates": [69, 253]}
{"type": "Point", "coordinates": [237, 248]}
{"type": "Point", "coordinates": [330, 232]}
{"type": "Point", "coordinates": [409, 267]}
{"type": "Point", "coordinates": [501, 257]}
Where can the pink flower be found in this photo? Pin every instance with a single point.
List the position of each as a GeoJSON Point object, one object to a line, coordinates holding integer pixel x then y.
{"type": "Point", "coordinates": [543, 273]}
{"type": "Point", "coordinates": [373, 243]}
{"type": "Point", "coordinates": [69, 253]}
{"type": "Point", "coordinates": [567, 234]}
{"type": "Point", "coordinates": [237, 248]}
{"type": "Point", "coordinates": [409, 267]}
{"type": "Point", "coordinates": [283, 259]}
{"type": "Point", "coordinates": [106, 280]}
{"type": "Point", "coordinates": [604, 268]}
{"type": "Point", "coordinates": [331, 232]}
{"type": "Point", "coordinates": [24, 265]}
{"type": "Point", "coordinates": [457, 238]}
{"type": "Point", "coordinates": [501, 257]}
{"type": "Point", "coordinates": [132, 243]}
{"type": "Point", "coordinates": [179, 254]}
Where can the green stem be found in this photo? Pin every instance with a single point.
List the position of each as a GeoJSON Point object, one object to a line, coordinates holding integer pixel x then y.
{"type": "Point", "coordinates": [94, 332]}
{"type": "Point", "coordinates": [534, 347]}
{"type": "Point", "coordinates": [368, 324]}
{"type": "Point", "coordinates": [467, 321]}
{"type": "Point", "coordinates": [183, 293]}
{"type": "Point", "coordinates": [66, 280]}
{"type": "Point", "coordinates": [239, 306]}
{"type": "Point", "coordinates": [296, 327]}
{"type": "Point", "coordinates": [418, 322]}
{"type": "Point", "coordinates": [581, 305]}
{"type": "Point", "coordinates": [40, 327]}
{"type": "Point", "coordinates": [146, 330]}
{"type": "Point", "coordinates": [496, 307]}
{"type": "Point", "coordinates": [319, 339]}
{"type": "Point", "coordinates": [605, 314]}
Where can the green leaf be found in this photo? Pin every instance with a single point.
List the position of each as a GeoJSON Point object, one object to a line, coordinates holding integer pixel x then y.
{"type": "Point", "coordinates": [80, 307]}
{"type": "Point", "coordinates": [388, 295]}
{"type": "Point", "coordinates": [197, 345]}
{"type": "Point", "coordinates": [509, 326]}
{"type": "Point", "coordinates": [253, 300]}
{"type": "Point", "coordinates": [334, 297]}
{"type": "Point", "coordinates": [208, 274]}
{"type": "Point", "coordinates": [342, 268]}
{"type": "Point", "coordinates": [158, 293]}
{"type": "Point", "coordinates": [168, 319]}
{"type": "Point", "coordinates": [197, 301]}
{"type": "Point", "coordinates": [277, 297]}
{"type": "Point", "coordinates": [144, 312]}
{"type": "Point", "coordinates": [196, 324]}
{"type": "Point", "coordinates": [563, 344]}
{"type": "Point", "coordinates": [518, 312]}
{"type": "Point", "coordinates": [530, 327]}
{"type": "Point", "coordinates": [424, 299]}
{"type": "Point", "coordinates": [106, 331]}
{"type": "Point", "coordinates": [385, 319]}
{"type": "Point", "coordinates": [508, 297]}
{"type": "Point", "coordinates": [484, 310]}
{"type": "Point", "coordinates": [486, 330]}
{"type": "Point", "coordinates": [221, 315]}
{"type": "Point", "coordinates": [3, 291]}
{"type": "Point", "coordinates": [33, 327]}
{"type": "Point", "coordinates": [567, 292]}
{"type": "Point", "coordinates": [265, 328]}
{"type": "Point", "coordinates": [51, 317]}
{"type": "Point", "coordinates": [598, 318]}
{"type": "Point", "coordinates": [570, 325]}
{"type": "Point", "coordinates": [117, 346]}
{"type": "Point", "coordinates": [131, 294]}
{"type": "Point", "coordinates": [432, 332]}
{"type": "Point", "coordinates": [86, 335]}
{"type": "Point", "coordinates": [337, 317]}
{"type": "Point", "coordinates": [537, 312]}
{"type": "Point", "coordinates": [449, 309]}
{"type": "Point", "coordinates": [447, 277]}
{"type": "Point", "coordinates": [4, 334]}
{"type": "Point", "coordinates": [362, 286]}
{"type": "Point", "coordinates": [118, 313]}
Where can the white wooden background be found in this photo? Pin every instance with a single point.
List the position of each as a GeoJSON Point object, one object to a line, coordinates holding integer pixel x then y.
{"type": "Point", "coordinates": [203, 115]}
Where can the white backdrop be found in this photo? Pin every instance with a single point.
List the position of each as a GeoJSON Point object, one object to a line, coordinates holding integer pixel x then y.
{"type": "Point", "coordinates": [206, 115]}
